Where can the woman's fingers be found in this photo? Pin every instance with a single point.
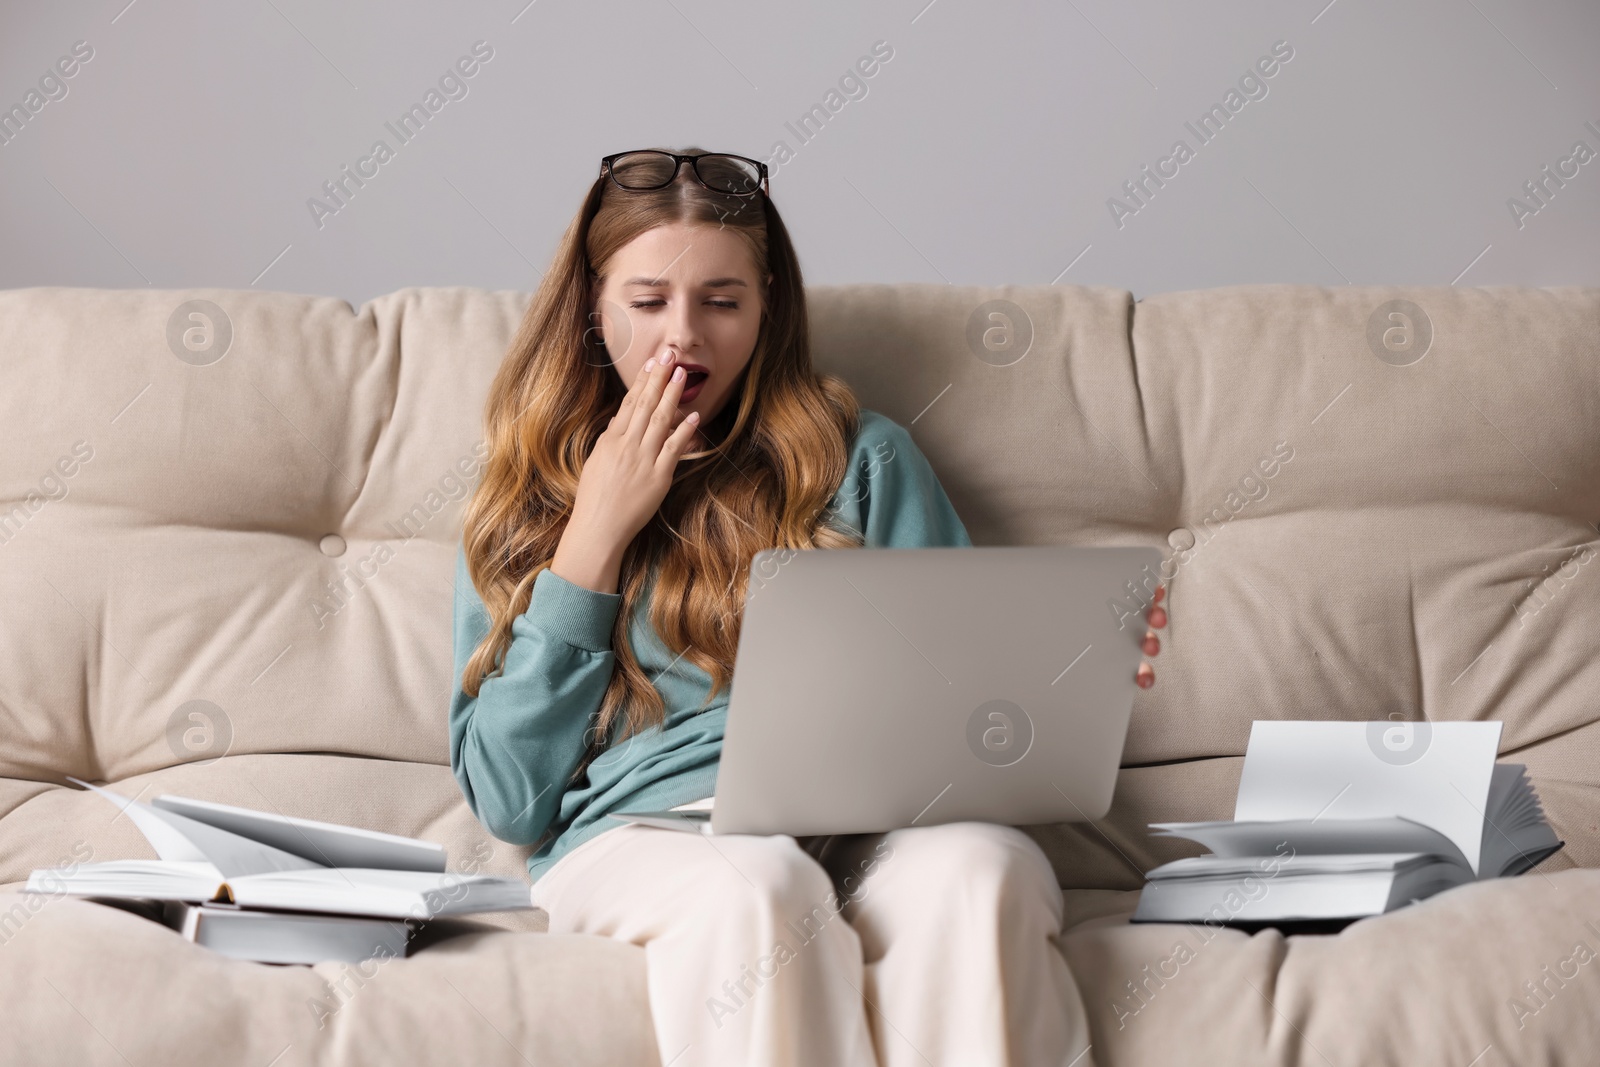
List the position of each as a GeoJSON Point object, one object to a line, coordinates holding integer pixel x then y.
{"type": "Point", "coordinates": [624, 416]}
{"type": "Point", "coordinates": [649, 391]}
{"type": "Point", "coordinates": [1151, 645]}
{"type": "Point", "coordinates": [678, 442]}
{"type": "Point", "coordinates": [665, 416]}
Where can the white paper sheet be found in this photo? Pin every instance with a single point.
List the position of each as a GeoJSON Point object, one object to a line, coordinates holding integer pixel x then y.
{"type": "Point", "coordinates": [1436, 773]}
{"type": "Point", "coordinates": [178, 837]}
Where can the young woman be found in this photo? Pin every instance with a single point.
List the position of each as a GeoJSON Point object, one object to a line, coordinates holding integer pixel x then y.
{"type": "Point", "coordinates": [655, 422]}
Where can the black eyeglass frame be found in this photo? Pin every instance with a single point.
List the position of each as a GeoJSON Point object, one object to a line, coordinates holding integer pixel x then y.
{"type": "Point", "coordinates": [677, 165]}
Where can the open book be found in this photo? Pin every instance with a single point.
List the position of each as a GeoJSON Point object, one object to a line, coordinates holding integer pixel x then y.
{"type": "Point", "coordinates": [215, 852]}
{"type": "Point", "coordinates": [1339, 820]}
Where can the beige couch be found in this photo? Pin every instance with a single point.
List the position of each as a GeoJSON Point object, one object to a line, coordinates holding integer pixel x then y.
{"type": "Point", "coordinates": [226, 566]}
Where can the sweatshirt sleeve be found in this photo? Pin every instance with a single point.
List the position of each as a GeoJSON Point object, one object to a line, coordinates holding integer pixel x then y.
{"type": "Point", "coordinates": [891, 494]}
{"type": "Point", "coordinates": [514, 745]}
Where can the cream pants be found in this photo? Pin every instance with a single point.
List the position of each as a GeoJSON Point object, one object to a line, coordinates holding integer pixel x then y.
{"type": "Point", "coordinates": [930, 945]}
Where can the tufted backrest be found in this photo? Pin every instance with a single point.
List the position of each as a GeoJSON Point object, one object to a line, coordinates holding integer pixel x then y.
{"type": "Point", "coordinates": [228, 518]}
{"type": "Point", "coordinates": [263, 517]}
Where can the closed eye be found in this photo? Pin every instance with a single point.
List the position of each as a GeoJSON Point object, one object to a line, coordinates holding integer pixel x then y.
{"type": "Point", "coordinates": [730, 305]}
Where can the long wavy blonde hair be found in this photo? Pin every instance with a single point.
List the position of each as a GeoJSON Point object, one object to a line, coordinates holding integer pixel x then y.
{"type": "Point", "coordinates": [780, 450]}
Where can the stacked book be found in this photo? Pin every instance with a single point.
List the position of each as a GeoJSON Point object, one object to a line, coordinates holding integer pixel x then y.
{"type": "Point", "coordinates": [266, 887]}
{"type": "Point", "coordinates": [1335, 821]}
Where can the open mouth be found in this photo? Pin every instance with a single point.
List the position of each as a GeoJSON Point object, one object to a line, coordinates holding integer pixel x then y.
{"type": "Point", "coordinates": [691, 385]}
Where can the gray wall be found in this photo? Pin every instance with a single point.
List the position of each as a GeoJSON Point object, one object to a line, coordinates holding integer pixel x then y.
{"type": "Point", "coordinates": [991, 144]}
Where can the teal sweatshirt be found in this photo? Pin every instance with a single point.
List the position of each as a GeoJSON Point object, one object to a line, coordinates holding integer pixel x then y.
{"type": "Point", "coordinates": [514, 745]}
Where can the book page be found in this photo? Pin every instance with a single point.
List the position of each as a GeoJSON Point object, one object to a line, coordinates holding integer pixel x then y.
{"type": "Point", "coordinates": [150, 879]}
{"type": "Point", "coordinates": [1235, 868]}
{"type": "Point", "coordinates": [327, 844]}
{"type": "Point", "coordinates": [168, 842]}
{"type": "Point", "coordinates": [1517, 837]}
{"type": "Point", "coordinates": [176, 837]}
{"type": "Point", "coordinates": [1436, 773]}
{"type": "Point", "coordinates": [1324, 836]}
{"type": "Point", "coordinates": [396, 894]}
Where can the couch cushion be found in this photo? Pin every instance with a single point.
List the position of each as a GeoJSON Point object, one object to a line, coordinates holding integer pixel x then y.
{"type": "Point", "coordinates": [98, 985]}
{"type": "Point", "coordinates": [1497, 972]}
{"type": "Point", "coordinates": [271, 533]}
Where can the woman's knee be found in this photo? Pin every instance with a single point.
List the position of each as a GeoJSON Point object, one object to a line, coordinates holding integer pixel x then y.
{"type": "Point", "coordinates": [979, 862]}
{"type": "Point", "coordinates": [772, 877]}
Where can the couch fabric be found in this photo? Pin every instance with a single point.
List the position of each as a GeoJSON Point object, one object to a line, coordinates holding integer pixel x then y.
{"type": "Point", "coordinates": [227, 531]}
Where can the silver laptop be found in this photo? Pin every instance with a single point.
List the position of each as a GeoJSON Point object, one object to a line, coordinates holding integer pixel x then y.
{"type": "Point", "coordinates": [881, 688]}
